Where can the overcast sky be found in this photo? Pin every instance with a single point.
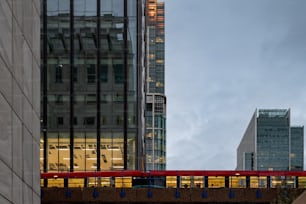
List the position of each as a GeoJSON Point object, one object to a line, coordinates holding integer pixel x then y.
{"type": "Point", "coordinates": [224, 59]}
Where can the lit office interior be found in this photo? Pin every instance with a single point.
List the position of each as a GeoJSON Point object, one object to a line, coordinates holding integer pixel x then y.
{"type": "Point", "coordinates": [90, 87]}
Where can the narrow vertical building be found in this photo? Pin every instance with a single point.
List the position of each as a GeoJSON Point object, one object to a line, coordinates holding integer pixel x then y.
{"type": "Point", "coordinates": [155, 138]}
{"type": "Point", "coordinates": [19, 101]}
{"type": "Point", "coordinates": [270, 143]}
{"type": "Point", "coordinates": [92, 85]}
{"type": "Point", "coordinates": [297, 148]}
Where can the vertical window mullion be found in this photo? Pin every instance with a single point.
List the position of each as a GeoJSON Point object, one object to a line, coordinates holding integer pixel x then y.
{"type": "Point", "coordinates": [125, 116]}
{"type": "Point", "coordinates": [45, 102]}
{"type": "Point", "coordinates": [71, 84]}
{"type": "Point", "coordinates": [98, 87]}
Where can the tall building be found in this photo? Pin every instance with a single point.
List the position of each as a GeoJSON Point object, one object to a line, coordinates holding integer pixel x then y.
{"type": "Point", "coordinates": [271, 143]}
{"type": "Point", "coordinates": [155, 88]}
{"type": "Point", "coordinates": [19, 102]}
{"type": "Point", "coordinates": [92, 85]}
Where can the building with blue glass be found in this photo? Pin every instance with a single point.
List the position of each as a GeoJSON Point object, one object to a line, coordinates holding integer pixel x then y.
{"type": "Point", "coordinates": [271, 143]}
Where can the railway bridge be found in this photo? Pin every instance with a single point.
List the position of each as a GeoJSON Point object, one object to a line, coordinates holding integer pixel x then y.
{"type": "Point", "coordinates": [210, 187]}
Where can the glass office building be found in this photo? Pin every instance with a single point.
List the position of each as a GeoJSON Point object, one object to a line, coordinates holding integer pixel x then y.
{"type": "Point", "coordinates": [297, 148]}
{"type": "Point", "coordinates": [92, 86]}
{"type": "Point", "coordinates": [270, 143]}
{"type": "Point", "coordinates": [155, 87]}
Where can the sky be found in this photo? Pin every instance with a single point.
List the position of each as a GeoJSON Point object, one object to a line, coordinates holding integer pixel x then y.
{"type": "Point", "coordinates": [224, 59]}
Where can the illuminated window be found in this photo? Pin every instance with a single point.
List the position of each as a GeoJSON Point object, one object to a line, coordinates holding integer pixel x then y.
{"type": "Point", "coordinates": [151, 56]}
{"type": "Point", "coordinates": [159, 40]}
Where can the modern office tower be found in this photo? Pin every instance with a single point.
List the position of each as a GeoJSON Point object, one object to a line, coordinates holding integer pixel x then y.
{"type": "Point", "coordinates": [156, 100]}
{"type": "Point", "coordinates": [19, 102]}
{"type": "Point", "coordinates": [93, 78]}
{"type": "Point", "coordinates": [270, 143]}
{"type": "Point", "coordinates": [297, 148]}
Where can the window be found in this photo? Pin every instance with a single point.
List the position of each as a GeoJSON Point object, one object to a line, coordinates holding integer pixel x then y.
{"type": "Point", "coordinates": [103, 120]}
{"type": "Point", "coordinates": [91, 99]}
{"type": "Point", "coordinates": [60, 121]}
{"type": "Point", "coordinates": [105, 98]}
{"type": "Point", "coordinates": [75, 74]}
{"type": "Point", "coordinates": [158, 108]}
{"type": "Point", "coordinates": [103, 73]}
{"type": "Point", "coordinates": [59, 99]}
{"type": "Point", "coordinates": [159, 40]}
{"type": "Point", "coordinates": [118, 98]}
{"type": "Point", "coordinates": [89, 120]}
{"type": "Point", "coordinates": [132, 120]}
{"type": "Point", "coordinates": [149, 106]}
{"type": "Point", "coordinates": [120, 120]}
{"type": "Point", "coordinates": [159, 61]}
{"type": "Point", "coordinates": [91, 73]}
{"type": "Point", "coordinates": [119, 73]}
{"type": "Point", "coordinates": [59, 73]}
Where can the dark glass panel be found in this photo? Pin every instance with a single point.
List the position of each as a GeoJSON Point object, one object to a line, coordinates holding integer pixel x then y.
{"type": "Point", "coordinates": [118, 73]}
{"type": "Point", "coordinates": [104, 73]}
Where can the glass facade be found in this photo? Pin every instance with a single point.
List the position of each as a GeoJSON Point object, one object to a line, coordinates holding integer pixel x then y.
{"type": "Point", "coordinates": [273, 144]}
{"type": "Point", "coordinates": [273, 139]}
{"type": "Point", "coordinates": [91, 85]}
{"type": "Point", "coordinates": [155, 132]}
{"type": "Point", "coordinates": [155, 138]}
{"type": "Point", "coordinates": [156, 46]}
{"type": "Point", "coordinates": [297, 148]}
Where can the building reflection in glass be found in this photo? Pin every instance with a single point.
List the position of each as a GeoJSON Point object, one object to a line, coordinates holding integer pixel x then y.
{"type": "Point", "coordinates": [91, 71]}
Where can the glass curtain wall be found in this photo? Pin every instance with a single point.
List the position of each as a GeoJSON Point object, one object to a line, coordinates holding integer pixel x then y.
{"type": "Point", "coordinates": [156, 99]}
{"type": "Point", "coordinates": [297, 148]}
{"type": "Point", "coordinates": [89, 80]}
{"type": "Point", "coordinates": [273, 130]}
{"type": "Point", "coordinates": [155, 132]}
{"type": "Point", "coordinates": [58, 87]}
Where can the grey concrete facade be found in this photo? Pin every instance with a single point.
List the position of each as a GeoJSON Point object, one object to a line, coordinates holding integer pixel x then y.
{"type": "Point", "coordinates": [19, 101]}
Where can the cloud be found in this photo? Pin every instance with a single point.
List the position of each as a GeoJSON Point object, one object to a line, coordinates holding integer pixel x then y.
{"type": "Point", "coordinates": [224, 59]}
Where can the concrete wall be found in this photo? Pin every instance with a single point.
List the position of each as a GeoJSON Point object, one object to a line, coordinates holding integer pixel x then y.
{"type": "Point", "coordinates": [19, 101]}
{"type": "Point", "coordinates": [247, 144]}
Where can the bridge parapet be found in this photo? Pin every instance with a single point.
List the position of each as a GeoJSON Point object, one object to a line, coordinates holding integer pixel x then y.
{"type": "Point", "coordinates": [166, 195]}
